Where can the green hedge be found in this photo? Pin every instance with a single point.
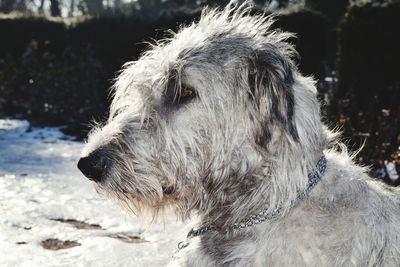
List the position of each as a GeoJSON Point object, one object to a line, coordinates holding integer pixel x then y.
{"type": "Point", "coordinates": [56, 73]}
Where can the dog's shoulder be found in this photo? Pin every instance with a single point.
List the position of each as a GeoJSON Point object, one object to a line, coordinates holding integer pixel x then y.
{"type": "Point", "coordinates": [346, 187]}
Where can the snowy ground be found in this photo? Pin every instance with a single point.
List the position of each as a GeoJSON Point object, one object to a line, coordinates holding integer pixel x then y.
{"type": "Point", "coordinates": [40, 188]}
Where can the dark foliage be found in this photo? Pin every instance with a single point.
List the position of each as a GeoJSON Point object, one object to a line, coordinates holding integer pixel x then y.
{"type": "Point", "coordinates": [369, 54]}
{"type": "Point", "coordinates": [368, 95]}
{"type": "Point", "coordinates": [311, 42]}
{"type": "Point", "coordinates": [333, 9]}
{"type": "Point", "coordinates": [57, 75]}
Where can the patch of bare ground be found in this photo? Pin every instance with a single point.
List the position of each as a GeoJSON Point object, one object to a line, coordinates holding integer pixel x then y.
{"type": "Point", "coordinates": [79, 224]}
{"type": "Point", "coordinates": [56, 244]}
{"type": "Point", "coordinates": [127, 238]}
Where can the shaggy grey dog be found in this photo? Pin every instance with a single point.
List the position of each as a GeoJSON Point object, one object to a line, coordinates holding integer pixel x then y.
{"type": "Point", "coordinates": [218, 121]}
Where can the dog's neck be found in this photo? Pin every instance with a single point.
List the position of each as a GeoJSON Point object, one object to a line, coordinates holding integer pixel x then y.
{"type": "Point", "coordinates": [264, 215]}
{"type": "Point", "coordinates": [276, 187]}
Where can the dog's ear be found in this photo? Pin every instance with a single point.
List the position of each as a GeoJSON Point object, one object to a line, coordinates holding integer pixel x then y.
{"type": "Point", "coordinates": [270, 78]}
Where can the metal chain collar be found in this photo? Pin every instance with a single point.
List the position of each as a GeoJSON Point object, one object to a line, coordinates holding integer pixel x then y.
{"type": "Point", "coordinates": [264, 215]}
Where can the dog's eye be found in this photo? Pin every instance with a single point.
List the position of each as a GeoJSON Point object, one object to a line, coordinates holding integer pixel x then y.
{"type": "Point", "coordinates": [187, 91]}
{"type": "Point", "coordinates": [186, 94]}
{"type": "Point", "coordinates": [179, 95]}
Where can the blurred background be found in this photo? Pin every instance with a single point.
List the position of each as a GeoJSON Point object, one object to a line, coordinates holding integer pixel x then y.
{"type": "Point", "coordinates": [58, 59]}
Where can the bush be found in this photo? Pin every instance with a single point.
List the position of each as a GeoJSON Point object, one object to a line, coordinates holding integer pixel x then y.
{"type": "Point", "coordinates": [18, 30]}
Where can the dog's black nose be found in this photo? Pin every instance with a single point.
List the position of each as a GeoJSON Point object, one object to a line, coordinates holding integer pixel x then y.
{"type": "Point", "coordinates": [92, 166]}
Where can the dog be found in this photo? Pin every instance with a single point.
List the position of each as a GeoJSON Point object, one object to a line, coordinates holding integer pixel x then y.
{"type": "Point", "coordinates": [218, 121]}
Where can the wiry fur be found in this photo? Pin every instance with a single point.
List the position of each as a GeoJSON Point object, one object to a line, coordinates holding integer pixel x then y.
{"type": "Point", "coordinates": [246, 141]}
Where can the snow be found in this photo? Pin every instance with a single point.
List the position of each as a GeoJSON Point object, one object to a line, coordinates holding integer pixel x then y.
{"type": "Point", "coordinates": [39, 182]}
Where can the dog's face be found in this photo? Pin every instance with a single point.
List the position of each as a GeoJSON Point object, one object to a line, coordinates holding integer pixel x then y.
{"type": "Point", "coordinates": [193, 116]}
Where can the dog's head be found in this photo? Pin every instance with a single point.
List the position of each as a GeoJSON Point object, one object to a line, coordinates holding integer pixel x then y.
{"type": "Point", "coordinates": [199, 114]}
